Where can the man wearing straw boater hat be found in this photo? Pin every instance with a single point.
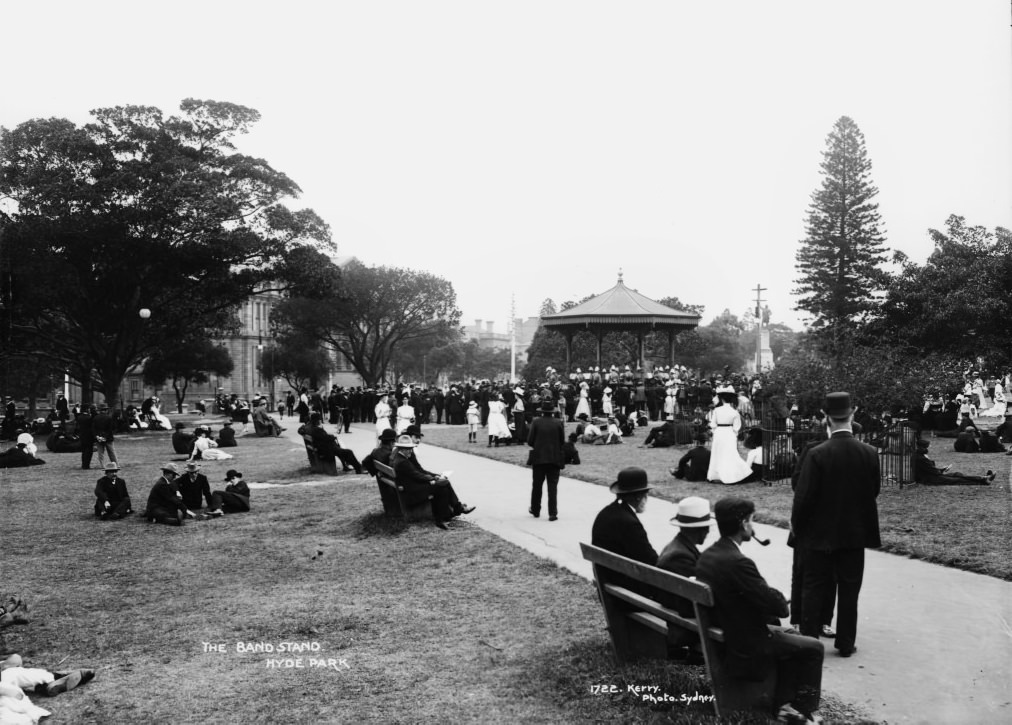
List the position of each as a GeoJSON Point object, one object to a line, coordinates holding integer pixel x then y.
{"type": "Point", "coordinates": [682, 552]}
{"type": "Point", "coordinates": [834, 519]}
{"type": "Point", "coordinates": [111, 498]}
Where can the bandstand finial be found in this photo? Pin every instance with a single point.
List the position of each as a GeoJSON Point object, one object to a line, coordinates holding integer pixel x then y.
{"type": "Point", "coordinates": [620, 275]}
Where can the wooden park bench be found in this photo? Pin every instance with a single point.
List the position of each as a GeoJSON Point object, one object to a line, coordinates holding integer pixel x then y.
{"type": "Point", "coordinates": [392, 496]}
{"type": "Point", "coordinates": [639, 626]}
{"type": "Point", "coordinates": [318, 464]}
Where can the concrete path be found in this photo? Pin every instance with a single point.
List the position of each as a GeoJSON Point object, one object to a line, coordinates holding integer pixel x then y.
{"type": "Point", "coordinates": [934, 644]}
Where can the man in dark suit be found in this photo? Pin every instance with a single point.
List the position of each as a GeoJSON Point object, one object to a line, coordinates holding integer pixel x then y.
{"type": "Point", "coordinates": [682, 552]}
{"type": "Point", "coordinates": [617, 528]}
{"type": "Point", "coordinates": [165, 503]}
{"type": "Point", "coordinates": [328, 446]}
{"type": "Point", "coordinates": [834, 518]}
{"type": "Point", "coordinates": [193, 485]}
{"type": "Point", "coordinates": [749, 610]}
{"type": "Point", "coordinates": [86, 433]}
{"type": "Point", "coordinates": [661, 436]}
{"type": "Point", "coordinates": [420, 484]}
{"type": "Point", "coordinates": [928, 474]}
{"type": "Point", "coordinates": [111, 498]}
{"type": "Point", "coordinates": [182, 442]}
{"type": "Point", "coordinates": [546, 439]}
{"type": "Point", "coordinates": [693, 466]}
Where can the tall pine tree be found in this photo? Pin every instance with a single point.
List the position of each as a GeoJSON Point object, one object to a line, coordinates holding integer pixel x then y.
{"type": "Point", "coordinates": [839, 262]}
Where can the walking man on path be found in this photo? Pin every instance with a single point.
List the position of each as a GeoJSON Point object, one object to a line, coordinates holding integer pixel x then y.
{"type": "Point", "coordinates": [546, 439]}
{"type": "Point", "coordinates": [835, 518]}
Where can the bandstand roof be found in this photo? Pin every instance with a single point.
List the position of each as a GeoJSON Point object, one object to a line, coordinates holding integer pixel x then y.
{"type": "Point", "coordinates": [621, 308]}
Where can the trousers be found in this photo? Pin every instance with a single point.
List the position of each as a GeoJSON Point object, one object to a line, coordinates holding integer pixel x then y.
{"type": "Point", "coordinates": [545, 472]}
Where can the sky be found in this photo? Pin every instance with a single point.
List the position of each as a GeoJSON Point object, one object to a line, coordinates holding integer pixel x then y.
{"type": "Point", "coordinates": [529, 150]}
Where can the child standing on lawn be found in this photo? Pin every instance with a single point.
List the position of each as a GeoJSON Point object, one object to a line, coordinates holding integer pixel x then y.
{"type": "Point", "coordinates": [473, 416]}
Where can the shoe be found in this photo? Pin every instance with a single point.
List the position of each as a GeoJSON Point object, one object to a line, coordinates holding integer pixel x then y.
{"type": "Point", "coordinates": [216, 513]}
{"type": "Point", "coordinates": [65, 683]}
{"type": "Point", "coordinates": [442, 525]}
{"type": "Point", "coordinates": [535, 514]}
{"type": "Point", "coordinates": [989, 475]}
{"type": "Point", "coordinates": [789, 714]}
{"type": "Point", "coordinates": [847, 651]}
{"type": "Point", "coordinates": [553, 518]}
{"type": "Point", "coordinates": [465, 509]}
{"type": "Point", "coordinates": [827, 631]}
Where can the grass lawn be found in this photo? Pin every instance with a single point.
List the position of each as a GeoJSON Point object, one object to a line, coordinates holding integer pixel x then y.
{"type": "Point", "coordinates": [960, 526]}
{"type": "Point", "coordinates": [398, 624]}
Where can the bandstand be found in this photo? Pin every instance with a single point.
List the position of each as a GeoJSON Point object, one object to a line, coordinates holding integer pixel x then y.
{"type": "Point", "coordinates": [620, 309]}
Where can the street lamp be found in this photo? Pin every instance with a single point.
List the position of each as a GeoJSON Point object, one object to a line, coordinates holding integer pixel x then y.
{"type": "Point", "coordinates": [144, 313]}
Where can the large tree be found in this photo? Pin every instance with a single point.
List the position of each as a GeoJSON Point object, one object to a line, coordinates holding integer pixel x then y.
{"type": "Point", "coordinates": [958, 302]}
{"type": "Point", "coordinates": [373, 312]}
{"type": "Point", "coordinates": [185, 362]}
{"type": "Point", "coordinates": [839, 262]}
{"type": "Point", "coordinates": [139, 211]}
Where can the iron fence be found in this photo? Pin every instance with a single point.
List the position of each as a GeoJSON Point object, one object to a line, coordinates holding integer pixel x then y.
{"type": "Point", "coordinates": [783, 441]}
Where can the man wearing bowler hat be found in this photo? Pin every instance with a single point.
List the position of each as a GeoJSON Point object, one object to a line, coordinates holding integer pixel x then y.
{"type": "Point", "coordinates": [617, 528]}
{"type": "Point", "coordinates": [834, 519]}
{"type": "Point", "coordinates": [546, 439]}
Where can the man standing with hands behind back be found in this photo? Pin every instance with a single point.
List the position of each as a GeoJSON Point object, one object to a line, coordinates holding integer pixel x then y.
{"type": "Point", "coordinates": [835, 518]}
{"type": "Point", "coordinates": [546, 439]}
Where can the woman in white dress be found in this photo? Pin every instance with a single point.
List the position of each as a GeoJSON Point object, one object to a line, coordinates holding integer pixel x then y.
{"type": "Point", "coordinates": [160, 421]}
{"type": "Point", "coordinates": [382, 412]}
{"type": "Point", "coordinates": [606, 405]}
{"type": "Point", "coordinates": [405, 415]}
{"type": "Point", "coordinates": [583, 406]}
{"type": "Point", "coordinates": [498, 428]}
{"type": "Point", "coordinates": [998, 409]}
{"type": "Point", "coordinates": [726, 465]}
{"type": "Point", "coordinates": [206, 449]}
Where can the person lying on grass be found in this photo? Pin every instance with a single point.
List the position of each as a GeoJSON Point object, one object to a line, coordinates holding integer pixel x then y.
{"type": "Point", "coordinates": [17, 679]}
{"type": "Point", "coordinates": [927, 473]}
{"type": "Point", "coordinates": [14, 611]}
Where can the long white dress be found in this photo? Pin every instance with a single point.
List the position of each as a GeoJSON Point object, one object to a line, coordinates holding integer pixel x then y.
{"type": "Point", "coordinates": [208, 450]}
{"type": "Point", "coordinates": [726, 465]}
{"type": "Point", "coordinates": [497, 425]}
{"type": "Point", "coordinates": [405, 417]}
{"type": "Point", "coordinates": [382, 411]}
{"type": "Point", "coordinates": [583, 406]}
{"type": "Point", "coordinates": [998, 409]}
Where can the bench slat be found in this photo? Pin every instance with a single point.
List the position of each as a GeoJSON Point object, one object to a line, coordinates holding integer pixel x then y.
{"type": "Point", "coordinates": [661, 579]}
{"type": "Point", "coordinates": [654, 612]}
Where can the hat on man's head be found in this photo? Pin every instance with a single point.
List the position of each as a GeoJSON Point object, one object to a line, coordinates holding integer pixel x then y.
{"type": "Point", "coordinates": [170, 468]}
{"type": "Point", "coordinates": [180, 425]}
{"type": "Point", "coordinates": [414, 430]}
{"type": "Point", "coordinates": [630, 480]}
{"type": "Point", "coordinates": [112, 466]}
{"type": "Point", "coordinates": [232, 473]}
{"type": "Point", "coordinates": [693, 512]}
{"type": "Point", "coordinates": [192, 466]}
{"type": "Point", "coordinates": [547, 405]}
{"type": "Point", "coordinates": [388, 435]}
{"type": "Point", "coordinates": [404, 441]}
{"type": "Point", "coordinates": [837, 406]}
{"type": "Point", "coordinates": [922, 443]}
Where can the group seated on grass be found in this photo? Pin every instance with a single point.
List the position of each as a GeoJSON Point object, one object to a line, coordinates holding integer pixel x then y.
{"type": "Point", "coordinates": [173, 498]}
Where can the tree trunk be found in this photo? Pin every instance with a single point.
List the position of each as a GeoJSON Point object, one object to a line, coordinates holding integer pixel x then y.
{"type": "Point", "coordinates": [110, 389]}
{"type": "Point", "coordinates": [180, 394]}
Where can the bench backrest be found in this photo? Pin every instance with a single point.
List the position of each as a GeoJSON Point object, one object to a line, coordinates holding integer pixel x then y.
{"type": "Point", "coordinates": [662, 579]}
{"type": "Point", "coordinates": [385, 474]}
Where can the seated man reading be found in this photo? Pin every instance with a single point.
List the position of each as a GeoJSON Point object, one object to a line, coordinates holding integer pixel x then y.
{"type": "Point", "coordinates": [419, 484]}
{"type": "Point", "coordinates": [927, 473]}
{"type": "Point", "coordinates": [749, 610]}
